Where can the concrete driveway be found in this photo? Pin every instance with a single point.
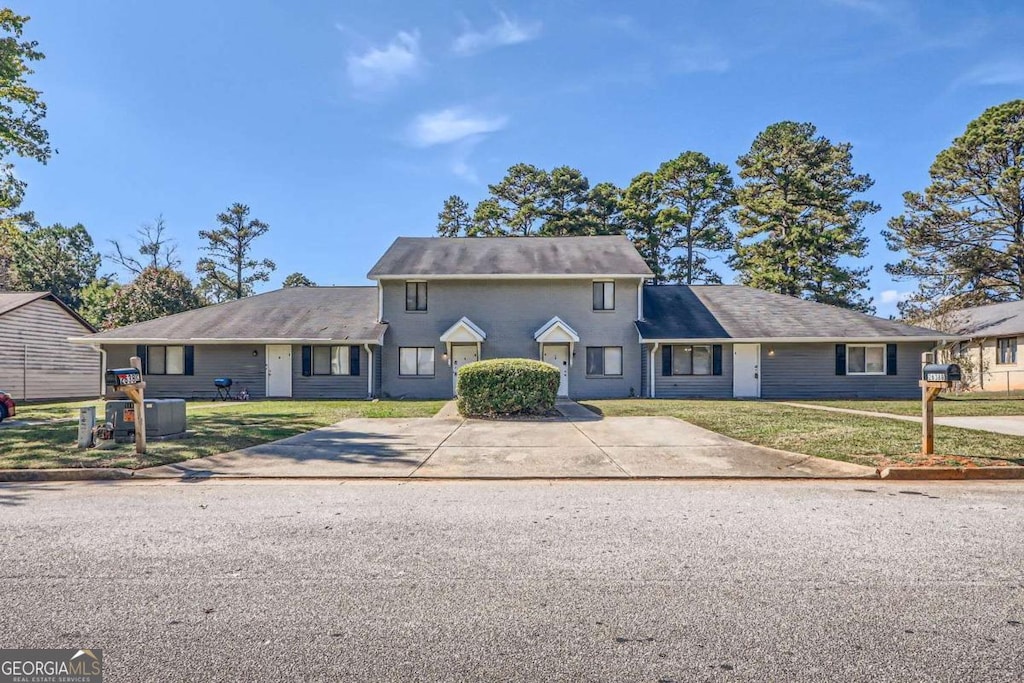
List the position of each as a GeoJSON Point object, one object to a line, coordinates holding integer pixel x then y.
{"type": "Point", "coordinates": [578, 445]}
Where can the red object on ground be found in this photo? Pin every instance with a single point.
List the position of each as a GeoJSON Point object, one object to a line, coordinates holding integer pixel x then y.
{"type": "Point", "coordinates": [8, 403]}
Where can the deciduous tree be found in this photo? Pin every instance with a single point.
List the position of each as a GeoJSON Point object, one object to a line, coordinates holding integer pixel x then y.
{"type": "Point", "coordinates": [230, 270]}
{"type": "Point", "coordinates": [799, 218]}
{"type": "Point", "coordinates": [57, 259]}
{"type": "Point", "coordinates": [963, 236]}
{"type": "Point", "coordinates": [155, 249]}
{"type": "Point", "coordinates": [297, 280]}
{"type": "Point", "coordinates": [154, 293]}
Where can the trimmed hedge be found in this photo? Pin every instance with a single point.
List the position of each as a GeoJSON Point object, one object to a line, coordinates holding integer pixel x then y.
{"type": "Point", "coordinates": [507, 386]}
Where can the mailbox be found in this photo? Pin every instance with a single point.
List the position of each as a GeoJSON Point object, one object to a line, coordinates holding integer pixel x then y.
{"type": "Point", "coordinates": [123, 377]}
{"type": "Point", "coordinates": [936, 372]}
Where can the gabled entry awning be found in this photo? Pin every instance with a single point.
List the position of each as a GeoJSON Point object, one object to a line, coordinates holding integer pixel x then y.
{"type": "Point", "coordinates": [465, 331]}
{"type": "Point", "coordinates": [556, 331]}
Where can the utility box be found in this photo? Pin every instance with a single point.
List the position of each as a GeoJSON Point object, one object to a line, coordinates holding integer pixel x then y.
{"type": "Point", "coordinates": [165, 417]}
{"type": "Point", "coordinates": [936, 372]}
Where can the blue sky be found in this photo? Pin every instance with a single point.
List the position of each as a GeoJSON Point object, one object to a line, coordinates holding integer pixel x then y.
{"type": "Point", "coordinates": [345, 125]}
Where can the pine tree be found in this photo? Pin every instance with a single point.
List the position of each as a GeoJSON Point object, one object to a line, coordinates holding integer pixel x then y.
{"type": "Point", "coordinates": [799, 219]}
{"type": "Point", "coordinates": [454, 220]}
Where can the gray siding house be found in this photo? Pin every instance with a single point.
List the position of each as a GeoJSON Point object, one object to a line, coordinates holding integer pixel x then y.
{"type": "Point", "coordinates": [581, 304]}
{"type": "Point", "coordinates": [36, 360]}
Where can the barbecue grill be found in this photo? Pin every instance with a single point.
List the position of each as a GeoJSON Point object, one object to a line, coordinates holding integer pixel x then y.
{"type": "Point", "coordinates": [223, 385]}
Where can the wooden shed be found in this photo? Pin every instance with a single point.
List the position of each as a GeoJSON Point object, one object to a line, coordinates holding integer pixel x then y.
{"type": "Point", "coordinates": [37, 362]}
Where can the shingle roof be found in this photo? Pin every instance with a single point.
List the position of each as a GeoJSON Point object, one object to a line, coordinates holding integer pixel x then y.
{"type": "Point", "coordinates": [739, 312]}
{"type": "Point", "coordinates": [993, 320]}
{"type": "Point", "coordinates": [10, 301]}
{"type": "Point", "coordinates": [289, 314]}
{"type": "Point", "coordinates": [490, 256]}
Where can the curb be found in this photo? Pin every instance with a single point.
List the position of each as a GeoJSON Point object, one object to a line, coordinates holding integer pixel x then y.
{"type": "Point", "coordinates": [950, 473]}
{"type": "Point", "coordinates": [67, 474]}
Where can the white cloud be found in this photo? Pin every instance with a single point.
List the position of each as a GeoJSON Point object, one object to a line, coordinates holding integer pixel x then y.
{"type": "Point", "coordinates": [379, 68]}
{"type": "Point", "coordinates": [892, 296]}
{"type": "Point", "coordinates": [451, 125]}
{"type": "Point", "coordinates": [505, 32]}
{"type": "Point", "coordinates": [996, 73]}
{"type": "Point", "coordinates": [698, 58]}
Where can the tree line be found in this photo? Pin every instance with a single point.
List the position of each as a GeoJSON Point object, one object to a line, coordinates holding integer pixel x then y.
{"type": "Point", "coordinates": [793, 223]}
{"type": "Point", "coordinates": [64, 260]}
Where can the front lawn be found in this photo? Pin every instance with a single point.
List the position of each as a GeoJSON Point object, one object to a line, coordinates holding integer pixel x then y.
{"type": "Point", "coordinates": [218, 427]}
{"type": "Point", "coordinates": [952, 406]}
{"type": "Point", "coordinates": [873, 441]}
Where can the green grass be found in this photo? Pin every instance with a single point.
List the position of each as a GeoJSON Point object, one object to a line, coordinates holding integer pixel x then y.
{"type": "Point", "coordinates": [944, 406]}
{"type": "Point", "coordinates": [219, 427]}
{"type": "Point", "coordinates": [864, 440]}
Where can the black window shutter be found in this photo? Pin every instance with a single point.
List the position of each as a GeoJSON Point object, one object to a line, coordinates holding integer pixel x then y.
{"type": "Point", "coordinates": [353, 360]}
{"type": "Point", "coordinates": [307, 361]}
{"type": "Point", "coordinates": [141, 351]}
{"type": "Point", "coordinates": [666, 361]}
{"type": "Point", "coordinates": [716, 359]}
{"type": "Point", "coordinates": [890, 359]}
{"type": "Point", "coordinates": [840, 359]}
{"type": "Point", "coordinates": [190, 360]}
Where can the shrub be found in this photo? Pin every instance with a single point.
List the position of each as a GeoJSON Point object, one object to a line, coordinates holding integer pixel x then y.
{"type": "Point", "coordinates": [507, 386]}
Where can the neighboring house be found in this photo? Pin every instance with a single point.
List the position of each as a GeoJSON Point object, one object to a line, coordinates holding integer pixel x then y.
{"type": "Point", "coordinates": [36, 359]}
{"type": "Point", "coordinates": [992, 344]}
{"type": "Point", "coordinates": [579, 303]}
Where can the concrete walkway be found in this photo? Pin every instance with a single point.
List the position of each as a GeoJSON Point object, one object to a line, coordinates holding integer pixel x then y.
{"type": "Point", "coordinates": [579, 445]}
{"type": "Point", "coordinates": [999, 424]}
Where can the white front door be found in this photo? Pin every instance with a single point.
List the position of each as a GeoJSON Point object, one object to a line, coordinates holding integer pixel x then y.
{"type": "Point", "coordinates": [558, 355]}
{"type": "Point", "coordinates": [461, 354]}
{"type": "Point", "coordinates": [279, 370]}
{"type": "Point", "coordinates": [746, 370]}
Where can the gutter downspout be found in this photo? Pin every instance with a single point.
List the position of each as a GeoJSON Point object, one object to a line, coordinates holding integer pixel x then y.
{"type": "Point", "coordinates": [369, 374]}
{"type": "Point", "coordinates": [650, 369]}
{"type": "Point", "coordinates": [103, 368]}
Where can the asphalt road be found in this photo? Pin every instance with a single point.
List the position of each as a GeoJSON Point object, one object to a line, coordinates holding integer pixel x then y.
{"type": "Point", "coordinates": [603, 581]}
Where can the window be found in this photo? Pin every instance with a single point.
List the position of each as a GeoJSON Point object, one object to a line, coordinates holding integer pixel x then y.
{"type": "Point", "coordinates": [604, 360]}
{"type": "Point", "coordinates": [604, 296]}
{"type": "Point", "coordinates": [416, 362]}
{"type": "Point", "coordinates": [332, 360]}
{"type": "Point", "coordinates": [1006, 351]}
{"type": "Point", "coordinates": [691, 360]}
{"type": "Point", "coordinates": [863, 359]}
{"type": "Point", "coordinates": [415, 296]}
{"type": "Point", "coordinates": [165, 360]}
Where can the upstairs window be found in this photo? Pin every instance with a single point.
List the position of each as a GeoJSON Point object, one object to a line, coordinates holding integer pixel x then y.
{"type": "Point", "coordinates": [604, 296]}
{"type": "Point", "coordinates": [1006, 351]}
{"type": "Point", "coordinates": [415, 296]}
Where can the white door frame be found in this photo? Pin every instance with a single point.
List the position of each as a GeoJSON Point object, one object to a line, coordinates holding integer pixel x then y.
{"type": "Point", "coordinates": [743, 385]}
{"type": "Point", "coordinates": [563, 382]}
{"type": "Point", "coordinates": [279, 370]}
{"type": "Point", "coordinates": [458, 348]}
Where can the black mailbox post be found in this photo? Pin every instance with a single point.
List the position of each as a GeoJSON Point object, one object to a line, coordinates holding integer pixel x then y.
{"type": "Point", "coordinates": [936, 372]}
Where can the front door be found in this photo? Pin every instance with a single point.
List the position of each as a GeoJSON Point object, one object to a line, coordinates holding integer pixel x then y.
{"type": "Point", "coordinates": [279, 370]}
{"type": "Point", "coordinates": [746, 370]}
{"type": "Point", "coordinates": [558, 355]}
{"type": "Point", "coordinates": [461, 354]}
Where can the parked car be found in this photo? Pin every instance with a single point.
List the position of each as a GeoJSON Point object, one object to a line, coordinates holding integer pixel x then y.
{"type": "Point", "coordinates": [6, 406]}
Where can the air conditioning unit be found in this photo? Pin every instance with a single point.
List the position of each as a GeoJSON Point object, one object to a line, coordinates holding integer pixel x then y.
{"type": "Point", "coordinates": [165, 417]}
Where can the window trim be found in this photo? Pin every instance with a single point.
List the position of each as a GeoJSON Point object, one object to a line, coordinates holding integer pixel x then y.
{"type": "Point", "coordinates": [416, 296]}
{"type": "Point", "coordinates": [604, 295]}
{"type": "Point", "coordinates": [999, 356]}
{"type": "Point", "coordinates": [691, 373]}
{"type": "Point", "coordinates": [433, 359]}
{"type": "Point", "coordinates": [149, 355]}
{"type": "Point", "coordinates": [604, 361]}
{"type": "Point", "coordinates": [885, 360]}
{"type": "Point", "coordinates": [344, 362]}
